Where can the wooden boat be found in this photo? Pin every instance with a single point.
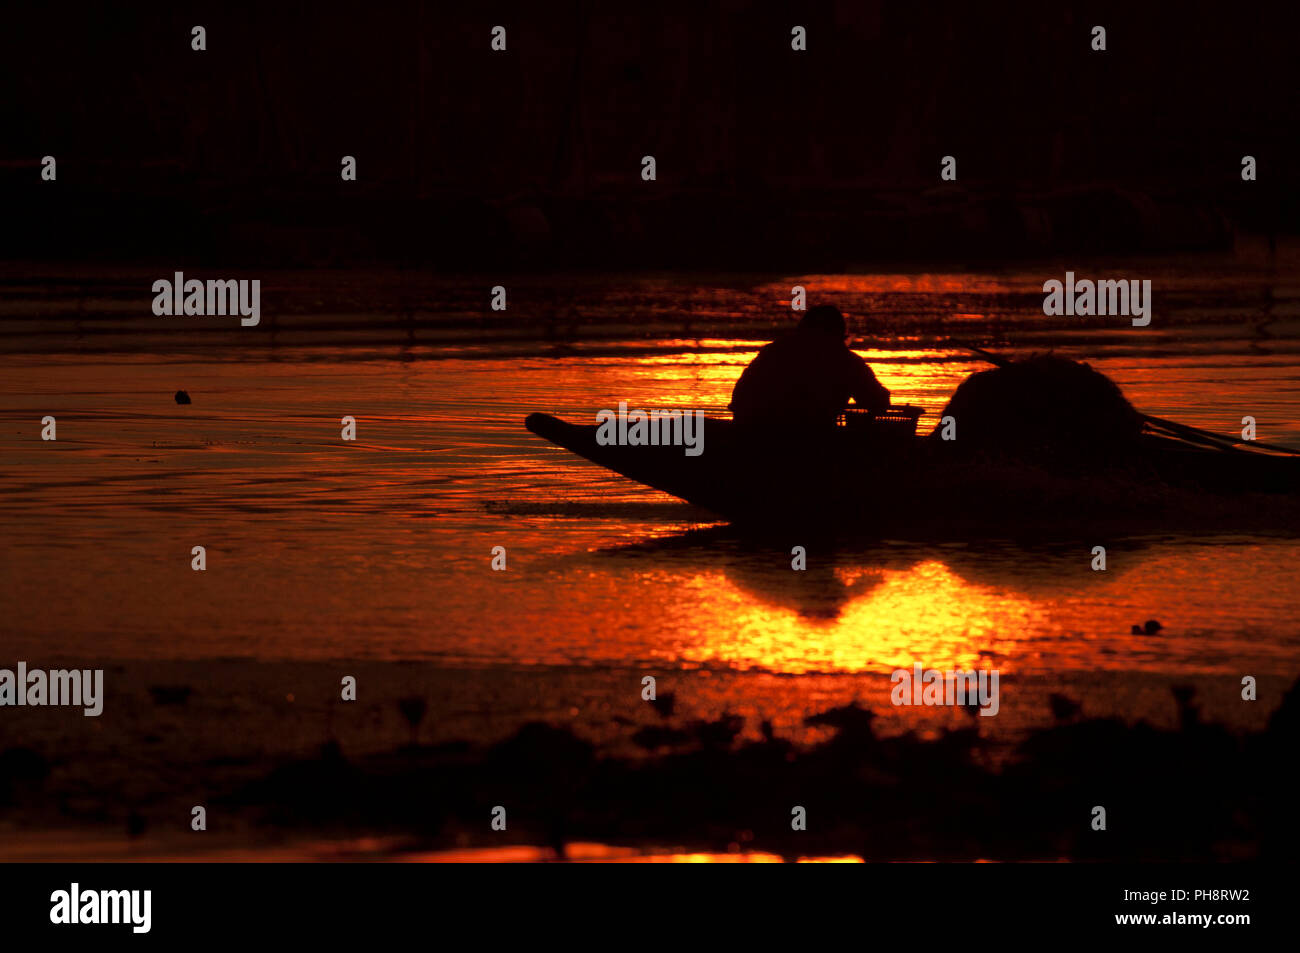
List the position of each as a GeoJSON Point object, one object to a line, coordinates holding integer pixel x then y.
{"type": "Point", "coordinates": [883, 480]}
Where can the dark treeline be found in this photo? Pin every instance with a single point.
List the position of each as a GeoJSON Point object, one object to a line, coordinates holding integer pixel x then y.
{"type": "Point", "coordinates": [466, 155]}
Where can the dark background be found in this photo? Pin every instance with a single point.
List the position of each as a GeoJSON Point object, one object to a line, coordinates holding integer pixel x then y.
{"type": "Point", "coordinates": [532, 157]}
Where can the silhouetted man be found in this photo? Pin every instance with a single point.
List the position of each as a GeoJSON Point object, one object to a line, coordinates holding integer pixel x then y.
{"type": "Point", "coordinates": [803, 380]}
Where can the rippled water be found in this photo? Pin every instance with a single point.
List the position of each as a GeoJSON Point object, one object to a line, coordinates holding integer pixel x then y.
{"type": "Point", "coordinates": [322, 549]}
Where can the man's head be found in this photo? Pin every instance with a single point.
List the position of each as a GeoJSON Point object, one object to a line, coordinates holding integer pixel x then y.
{"type": "Point", "coordinates": [826, 320]}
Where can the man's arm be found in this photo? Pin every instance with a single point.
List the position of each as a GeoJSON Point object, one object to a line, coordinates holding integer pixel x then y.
{"type": "Point", "coordinates": [867, 391]}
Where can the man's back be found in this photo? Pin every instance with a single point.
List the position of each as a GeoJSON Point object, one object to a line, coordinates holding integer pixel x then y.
{"type": "Point", "coordinates": [803, 381]}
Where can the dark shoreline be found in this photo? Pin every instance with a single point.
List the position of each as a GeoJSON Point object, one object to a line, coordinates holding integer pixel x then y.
{"type": "Point", "coordinates": [884, 784]}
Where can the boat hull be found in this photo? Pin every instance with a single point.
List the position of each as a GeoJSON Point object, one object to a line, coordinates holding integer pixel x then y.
{"type": "Point", "coordinates": [844, 481]}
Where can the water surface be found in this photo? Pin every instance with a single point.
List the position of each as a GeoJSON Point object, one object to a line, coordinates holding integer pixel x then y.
{"type": "Point", "coordinates": [380, 549]}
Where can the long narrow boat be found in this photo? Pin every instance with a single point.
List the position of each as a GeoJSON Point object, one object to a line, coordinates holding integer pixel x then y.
{"type": "Point", "coordinates": [881, 483]}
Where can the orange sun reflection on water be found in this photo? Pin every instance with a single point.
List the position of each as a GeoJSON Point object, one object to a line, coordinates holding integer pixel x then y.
{"type": "Point", "coordinates": [876, 620]}
{"type": "Point", "coordinates": [705, 380]}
